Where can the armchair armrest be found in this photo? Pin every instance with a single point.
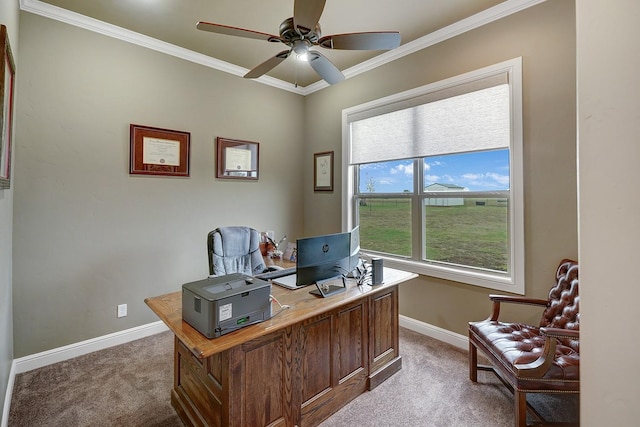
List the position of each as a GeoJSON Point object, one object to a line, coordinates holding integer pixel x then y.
{"type": "Point", "coordinates": [538, 367]}
{"type": "Point", "coordinates": [518, 300]}
{"type": "Point", "coordinates": [497, 299]}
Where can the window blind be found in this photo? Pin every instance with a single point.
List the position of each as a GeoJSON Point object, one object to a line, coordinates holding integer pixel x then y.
{"type": "Point", "coordinates": [471, 116]}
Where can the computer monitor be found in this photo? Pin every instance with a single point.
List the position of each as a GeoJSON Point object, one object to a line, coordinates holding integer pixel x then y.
{"type": "Point", "coordinates": [322, 258]}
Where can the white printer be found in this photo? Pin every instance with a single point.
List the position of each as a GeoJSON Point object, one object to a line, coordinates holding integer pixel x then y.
{"type": "Point", "coordinates": [218, 305]}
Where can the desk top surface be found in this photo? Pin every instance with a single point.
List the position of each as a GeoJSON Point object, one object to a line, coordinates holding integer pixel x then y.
{"type": "Point", "coordinates": [303, 305]}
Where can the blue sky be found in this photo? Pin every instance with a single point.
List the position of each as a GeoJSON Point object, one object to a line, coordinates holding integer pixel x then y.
{"type": "Point", "coordinates": [481, 171]}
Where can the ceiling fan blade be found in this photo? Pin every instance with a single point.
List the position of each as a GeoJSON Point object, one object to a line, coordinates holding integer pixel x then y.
{"type": "Point", "coordinates": [235, 31]}
{"type": "Point", "coordinates": [325, 68]}
{"type": "Point", "coordinates": [306, 14]}
{"type": "Point", "coordinates": [384, 40]}
{"type": "Point", "coordinates": [267, 65]}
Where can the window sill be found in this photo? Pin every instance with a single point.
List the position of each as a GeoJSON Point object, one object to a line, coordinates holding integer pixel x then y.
{"type": "Point", "coordinates": [482, 279]}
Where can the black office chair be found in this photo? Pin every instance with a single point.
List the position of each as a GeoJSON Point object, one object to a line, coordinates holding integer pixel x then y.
{"type": "Point", "coordinates": [234, 249]}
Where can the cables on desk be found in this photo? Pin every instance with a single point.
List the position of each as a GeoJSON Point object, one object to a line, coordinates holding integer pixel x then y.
{"type": "Point", "coordinates": [282, 307]}
{"type": "Point", "coordinates": [362, 273]}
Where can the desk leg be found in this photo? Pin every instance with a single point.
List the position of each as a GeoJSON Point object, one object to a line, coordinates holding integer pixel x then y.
{"type": "Point", "coordinates": [246, 385]}
{"type": "Point", "coordinates": [197, 393]}
{"type": "Point", "coordinates": [384, 340]}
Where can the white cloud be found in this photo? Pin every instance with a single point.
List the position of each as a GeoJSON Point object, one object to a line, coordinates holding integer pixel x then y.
{"type": "Point", "coordinates": [404, 169]}
{"type": "Point", "coordinates": [487, 180]}
{"type": "Point", "coordinates": [500, 179]}
{"type": "Point", "coordinates": [472, 176]}
{"type": "Point", "coordinates": [428, 166]}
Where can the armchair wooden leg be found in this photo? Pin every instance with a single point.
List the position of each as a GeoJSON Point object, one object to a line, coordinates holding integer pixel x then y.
{"type": "Point", "coordinates": [473, 362]}
{"type": "Point", "coordinates": [520, 404]}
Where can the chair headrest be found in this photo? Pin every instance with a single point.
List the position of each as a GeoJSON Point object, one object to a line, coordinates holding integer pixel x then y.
{"type": "Point", "coordinates": [235, 241]}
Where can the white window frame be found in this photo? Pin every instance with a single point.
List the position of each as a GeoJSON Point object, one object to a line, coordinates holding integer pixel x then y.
{"type": "Point", "coordinates": [513, 280]}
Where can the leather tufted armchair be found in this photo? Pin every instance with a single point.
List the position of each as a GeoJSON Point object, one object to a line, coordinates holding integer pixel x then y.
{"type": "Point", "coordinates": [533, 359]}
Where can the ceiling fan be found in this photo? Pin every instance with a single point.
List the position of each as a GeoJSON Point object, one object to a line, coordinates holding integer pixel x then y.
{"type": "Point", "coordinates": [302, 32]}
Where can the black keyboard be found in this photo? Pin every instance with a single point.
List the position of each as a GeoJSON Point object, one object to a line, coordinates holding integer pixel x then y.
{"type": "Point", "coordinates": [276, 273]}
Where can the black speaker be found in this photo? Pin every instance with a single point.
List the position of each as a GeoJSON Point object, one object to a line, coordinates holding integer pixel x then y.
{"type": "Point", "coordinates": [376, 274]}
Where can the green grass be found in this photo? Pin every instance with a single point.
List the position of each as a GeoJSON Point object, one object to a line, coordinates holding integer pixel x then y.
{"type": "Point", "coordinates": [386, 224]}
{"type": "Point", "coordinates": [469, 234]}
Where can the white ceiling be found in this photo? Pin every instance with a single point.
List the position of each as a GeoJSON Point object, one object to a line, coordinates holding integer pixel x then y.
{"type": "Point", "coordinates": [172, 22]}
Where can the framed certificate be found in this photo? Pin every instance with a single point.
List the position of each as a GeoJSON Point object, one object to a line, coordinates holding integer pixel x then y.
{"type": "Point", "coordinates": [237, 159]}
{"type": "Point", "coordinates": [323, 171]}
{"type": "Point", "coordinates": [7, 75]}
{"type": "Point", "coordinates": [156, 151]}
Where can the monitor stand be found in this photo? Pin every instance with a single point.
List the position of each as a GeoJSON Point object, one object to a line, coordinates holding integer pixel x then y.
{"type": "Point", "coordinates": [325, 289]}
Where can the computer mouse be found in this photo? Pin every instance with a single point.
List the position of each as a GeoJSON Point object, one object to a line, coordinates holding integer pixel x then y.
{"type": "Point", "coordinates": [273, 268]}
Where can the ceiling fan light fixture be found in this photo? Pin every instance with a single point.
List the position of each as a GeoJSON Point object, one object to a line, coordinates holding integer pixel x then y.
{"type": "Point", "coordinates": [301, 49]}
{"type": "Point", "coordinates": [300, 33]}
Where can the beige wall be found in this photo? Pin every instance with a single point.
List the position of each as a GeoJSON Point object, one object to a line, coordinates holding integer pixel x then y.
{"type": "Point", "coordinates": [89, 236]}
{"type": "Point", "coordinates": [92, 237]}
{"type": "Point", "coordinates": [608, 129]}
{"type": "Point", "coordinates": [609, 149]}
{"type": "Point", "coordinates": [544, 36]}
{"type": "Point", "coordinates": [9, 18]}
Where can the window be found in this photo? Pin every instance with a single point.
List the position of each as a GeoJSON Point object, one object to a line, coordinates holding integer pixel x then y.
{"type": "Point", "coordinates": [433, 176]}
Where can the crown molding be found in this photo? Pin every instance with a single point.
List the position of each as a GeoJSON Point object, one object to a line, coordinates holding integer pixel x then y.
{"type": "Point", "coordinates": [487, 16]}
{"type": "Point", "coordinates": [72, 18]}
{"type": "Point", "coordinates": [492, 14]}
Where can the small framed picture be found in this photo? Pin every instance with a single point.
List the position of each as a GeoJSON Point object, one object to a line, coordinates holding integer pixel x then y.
{"type": "Point", "coordinates": [7, 75]}
{"type": "Point", "coordinates": [237, 159]}
{"type": "Point", "coordinates": [323, 171]}
{"type": "Point", "coordinates": [156, 151]}
{"type": "Point", "coordinates": [291, 252]}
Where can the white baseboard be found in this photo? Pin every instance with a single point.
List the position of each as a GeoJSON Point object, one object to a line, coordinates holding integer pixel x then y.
{"type": "Point", "coordinates": [435, 332]}
{"type": "Point", "coordinates": [7, 396]}
{"type": "Point", "coordinates": [49, 357]}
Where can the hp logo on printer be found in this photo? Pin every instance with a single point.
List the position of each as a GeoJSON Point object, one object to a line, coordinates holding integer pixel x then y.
{"type": "Point", "coordinates": [325, 248]}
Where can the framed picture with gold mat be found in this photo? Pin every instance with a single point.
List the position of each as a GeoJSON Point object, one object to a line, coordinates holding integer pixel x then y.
{"type": "Point", "coordinates": [7, 77]}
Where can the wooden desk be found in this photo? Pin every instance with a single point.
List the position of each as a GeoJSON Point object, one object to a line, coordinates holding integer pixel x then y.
{"type": "Point", "coordinates": [297, 368]}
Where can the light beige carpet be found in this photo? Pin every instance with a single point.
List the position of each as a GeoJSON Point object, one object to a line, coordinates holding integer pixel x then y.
{"type": "Point", "coordinates": [129, 385]}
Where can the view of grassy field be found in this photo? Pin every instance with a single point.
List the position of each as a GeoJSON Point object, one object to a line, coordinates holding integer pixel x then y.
{"type": "Point", "coordinates": [473, 234]}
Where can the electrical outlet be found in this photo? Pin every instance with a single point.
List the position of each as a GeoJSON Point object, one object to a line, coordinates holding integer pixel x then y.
{"type": "Point", "coordinates": [122, 310]}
